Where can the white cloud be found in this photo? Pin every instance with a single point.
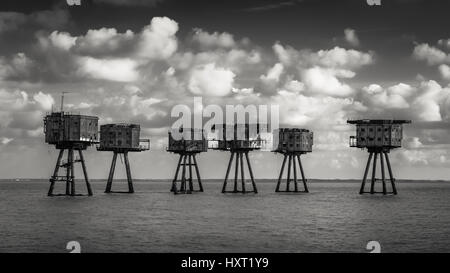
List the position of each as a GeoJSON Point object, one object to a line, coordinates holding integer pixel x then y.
{"type": "Point", "coordinates": [294, 86]}
{"type": "Point", "coordinates": [46, 101]}
{"type": "Point", "coordinates": [210, 40]}
{"type": "Point", "coordinates": [315, 112]}
{"type": "Point", "coordinates": [5, 140]}
{"type": "Point", "coordinates": [120, 70]}
{"type": "Point", "coordinates": [430, 54]}
{"type": "Point", "coordinates": [324, 81]}
{"type": "Point", "coordinates": [97, 41]}
{"type": "Point", "coordinates": [351, 37]}
{"type": "Point", "coordinates": [12, 100]}
{"type": "Point", "coordinates": [392, 98]}
{"type": "Point", "coordinates": [426, 106]}
{"type": "Point", "coordinates": [21, 114]}
{"type": "Point", "coordinates": [412, 143]}
{"type": "Point", "coordinates": [342, 58]}
{"type": "Point", "coordinates": [62, 40]}
{"type": "Point", "coordinates": [274, 73]}
{"type": "Point", "coordinates": [444, 42]}
{"type": "Point", "coordinates": [402, 89]}
{"type": "Point", "coordinates": [287, 55]}
{"type": "Point", "coordinates": [158, 39]}
{"type": "Point", "coordinates": [336, 57]}
{"type": "Point", "coordinates": [210, 80]}
{"type": "Point", "coordinates": [320, 72]}
{"type": "Point", "coordinates": [18, 65]}
{"type": "Point", "coordinates": [444, 70]}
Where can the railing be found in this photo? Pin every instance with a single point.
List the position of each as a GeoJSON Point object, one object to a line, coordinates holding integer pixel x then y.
{"type": "Point", "coordinates": [144, 144]}
{"type": "Point", "coordinates": [353, 141]}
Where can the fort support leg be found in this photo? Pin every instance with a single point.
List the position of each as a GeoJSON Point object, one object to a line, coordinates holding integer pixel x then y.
{"type": "Point", "coordinates": [191, 185]}
{"type": "Point", "coordinates": [183, 176]}
{"type": "Point", "coordinates": [198, 174]}
{"type": "Point", "coordinates": [288, 181]}
{"type": "Point", "coordinates": [295, 174]}
{"type": "Point", "coordinates": [303, 173]}
{"type": "Point", "coordinates": [382, 174]}
{"type": "Point", "coordinates": [86, 178]}
{"type": "Point", "coordinates": [281, 174]}
{"type": "Point", "coordinates": [128, 170]}
{"type": "Point", "coordinates": [242, 173]}
{"type": "Point", "coordinates": [236, 172]}
{"type": "Point", "coordinates": [72, 174]}
{"type": "Point", "coordinates": [111, 173]}
{"type": "Point", "coordinates": [394, 189]}
{"type": "Point", "coordinates": [67, 165]}
{"type": "Point", "coordinates": [228, 172]}
{"type": "Point", "coordinates": [255, 190]}
{"type": "Point", "coordinates": [174, 181]}
{"type": "Point", "coordinates": [361, 191]}
{"type": "Point", "coordinates": [372, 186]}
{"type": "Point", "coordinates": [55, 173]}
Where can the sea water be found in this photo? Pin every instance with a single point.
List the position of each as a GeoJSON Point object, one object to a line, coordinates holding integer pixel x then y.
{"type": "Point", "coordinates": [333, 217]}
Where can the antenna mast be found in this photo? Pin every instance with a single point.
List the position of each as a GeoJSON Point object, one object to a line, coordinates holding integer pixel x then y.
{"type": "Point", "coordinates": [62, 100]}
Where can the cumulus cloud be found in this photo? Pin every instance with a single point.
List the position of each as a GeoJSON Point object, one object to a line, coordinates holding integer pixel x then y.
{"type": "Point", "coordinates": [351, 37]}
{"type": "Point", "coordinates": [274, 73]}
{"type": "Point", "coordinates": [325, 81]}
{"type": "Point", "coordinates": [104, 53]}
{"type": "Point", "coordinates": [158, 39]}
{"type": "Point", "coordinates": [287, 55]}
{"type": "Point", "coordinates": [213, 40]}
{"type": "Point", "coordinates": [426, 101]}
{"type": "Point", "coordinates": [294, 86]}
{"type": "Point", "coordinates": [342, 58]}
{"type": "Point", "coordinates": [412, 143]}
{"type": "Point", "coordinates": [427, 105]}
{"type": "Point", "coordinates": [444, 43]}
{"type": "Point", "coordinates": [62, 40]}
{"type": "Point", "coordinates": [444, 70]}
{"type": "Point", "coordinates": [314, 112]}
{"type": "Point", "coordinates": [430, 54]}
{"type": "Point", "coordinates": [17, 66]}
{"type": "Point", "coordinates": [45, 101]}
{"type": "Point", "coordinates": [210, 80]}
{"type": "Point", "coordinates": [104, 41]}
{"type": "Point", "coordinates": [322, 72]}
{"type": "Point", "coordinates": [391, 98]}
{"type": "Point", "coordinates": [121, 70]}
{"type": "Point", "coordinates": [336, 57]}
{"type": "Point", "coordinates": [22, 112]}
{"type": "Point", "coordinates": [138, 75]}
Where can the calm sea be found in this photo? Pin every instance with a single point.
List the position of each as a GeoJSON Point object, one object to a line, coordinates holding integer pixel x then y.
{"type": "Point", "coordinates": [332, 218]}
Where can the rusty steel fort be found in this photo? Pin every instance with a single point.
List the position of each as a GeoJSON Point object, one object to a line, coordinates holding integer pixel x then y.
{"type": "Point", "coordinates": [75, 133]}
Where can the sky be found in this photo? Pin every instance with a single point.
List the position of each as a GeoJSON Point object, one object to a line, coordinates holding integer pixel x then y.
{"type": "Point", "coordinates": [322, 62]}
